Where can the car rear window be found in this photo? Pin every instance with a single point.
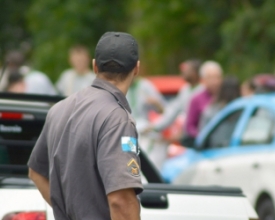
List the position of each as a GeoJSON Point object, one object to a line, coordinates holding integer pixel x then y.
{"type": "Point", "coordinates": [17, 139]}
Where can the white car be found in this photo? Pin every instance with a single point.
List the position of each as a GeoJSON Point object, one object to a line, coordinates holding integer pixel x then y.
{"type": "Point", "coordinates": [21, 123]}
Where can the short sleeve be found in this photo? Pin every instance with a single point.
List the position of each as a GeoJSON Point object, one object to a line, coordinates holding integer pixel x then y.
{"type": "Point", "coordinates": [39, 160]}
{"type": "Point", "coordinates": [117, 158]}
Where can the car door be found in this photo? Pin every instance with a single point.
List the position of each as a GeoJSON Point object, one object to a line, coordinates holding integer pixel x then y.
{"type": "Point", "coordinates": [217, 144]}
{"type": "Point", "coordinates": [251, 168]}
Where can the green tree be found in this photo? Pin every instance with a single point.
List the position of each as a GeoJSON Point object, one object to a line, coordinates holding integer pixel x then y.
{"type": "Point", "coordinates": [248, 40]}
{"type": "Point", "coordinates": [56, 25]}
{"type": "Point", "coordinates": [172, 31]}
{"type": "Point", "coordinates": [13, 26]}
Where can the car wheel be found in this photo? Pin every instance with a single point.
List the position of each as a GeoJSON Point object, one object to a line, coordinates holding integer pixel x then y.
{"type": "Point", "coordinates": [266, 210]}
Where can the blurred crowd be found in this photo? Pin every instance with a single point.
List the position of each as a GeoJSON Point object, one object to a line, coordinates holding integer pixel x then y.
{"type": "Point", "coordinates": [206, 92]}
{"type": "Point", "coordinates": [19, 77]}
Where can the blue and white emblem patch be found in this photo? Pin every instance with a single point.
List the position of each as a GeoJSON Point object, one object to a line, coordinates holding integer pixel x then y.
{"type": "Point", "coordinates": [129, 144]}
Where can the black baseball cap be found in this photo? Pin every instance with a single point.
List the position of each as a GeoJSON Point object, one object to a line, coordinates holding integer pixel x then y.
{"type": "Point", "coordinates": [119, 47]}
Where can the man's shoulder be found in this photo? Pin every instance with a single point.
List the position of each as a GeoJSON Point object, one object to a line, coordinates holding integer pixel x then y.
{"type": "Point", "coordinates": [67, 72]}
{"type": "Point", "coordinates": [64, 76]}
{"type": "Point", "coordinates": [117, 115]}
{"type": "Point", "coordinates": [102, 103]}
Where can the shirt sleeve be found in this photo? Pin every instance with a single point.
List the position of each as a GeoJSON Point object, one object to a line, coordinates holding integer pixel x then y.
{"type": "Point", "coordinates": [172, 110]}
{"type": "Point", "coordinates": [39, 160]}
{"type": "Point", "coordinates": [151, 91]}
{"type": "Point", "coordinates": [117, 157]}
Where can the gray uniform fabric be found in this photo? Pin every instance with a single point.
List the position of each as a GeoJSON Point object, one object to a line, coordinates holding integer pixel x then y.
{"type": "Point", "coordinates": [80, 150]}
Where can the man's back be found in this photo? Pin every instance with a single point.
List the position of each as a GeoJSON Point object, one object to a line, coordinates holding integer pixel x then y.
{"type": "Point", "coordinates": [75, 127]}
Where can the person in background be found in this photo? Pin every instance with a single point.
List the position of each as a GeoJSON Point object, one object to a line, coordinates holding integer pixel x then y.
{"type": "Point", "coordinates": [80, 75]}
{"type": "Point", "coordinates": [211, 75]}
{"type": "Point", "coordinates": [36, 81]}
{"type": "Point", "coordinates": [230, 90]}
{"type": "Point", "coordinates": [264, 83]}
{"type": "Point", "coordinates": [13, 61]}
{"type": "Point", "coordinates": [16, 83]}
{"type": "Point", "coordinates": [190, 73]}
{"type": "Point", "coordinates": [248, 88]}
{"type": "Point", "coordinates": [143, 97]}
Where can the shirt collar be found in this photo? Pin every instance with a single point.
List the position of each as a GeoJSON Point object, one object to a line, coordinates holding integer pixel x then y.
{"type": "Point", "coordinates": [120, 97]}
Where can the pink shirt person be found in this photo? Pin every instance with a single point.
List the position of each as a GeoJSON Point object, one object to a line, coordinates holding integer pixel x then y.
{"type": "Point", "coordinates": [211, 75]}
{"type": "Point", "coordinates": [197, 106]}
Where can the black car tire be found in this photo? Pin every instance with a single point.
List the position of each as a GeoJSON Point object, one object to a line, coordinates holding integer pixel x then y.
{"type": "Point", "coordinates": [266, 210]}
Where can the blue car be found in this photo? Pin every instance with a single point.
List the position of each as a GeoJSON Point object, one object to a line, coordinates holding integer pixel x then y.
{"type": "Point", "coordinates": [223, 134]}
{"type": "Point", "coordinates": [236, 148]}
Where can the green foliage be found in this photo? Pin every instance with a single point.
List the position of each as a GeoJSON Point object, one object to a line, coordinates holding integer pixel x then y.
{"type": "Point", "coordinates": [248, 45]}
{"type": "Point", "coordinates": [239, 34]}
{"type": "Point", "coordinates": [13, 26]}
{"type": "Point", "coordinates": [172, 31]}
{"type": "Point", "coordinates": [57, 25]}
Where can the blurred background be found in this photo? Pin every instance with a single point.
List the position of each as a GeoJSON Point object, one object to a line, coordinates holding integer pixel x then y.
{"type": "Point", "coordinates": [238, 34]}
{"type": "Point", "coordinates": [203, 107]}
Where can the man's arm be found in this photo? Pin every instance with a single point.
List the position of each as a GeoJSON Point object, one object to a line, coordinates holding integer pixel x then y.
{"type": "Point", "coordinates": [42, 183]}
{"type": "Point", "coordinates": [172, 110]}
{"type": "Point", "coordinates": [124, 205]}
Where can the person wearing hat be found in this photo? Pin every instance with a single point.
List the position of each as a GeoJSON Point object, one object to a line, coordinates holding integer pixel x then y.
{"type": "Point", "coordinates": [85, 162]}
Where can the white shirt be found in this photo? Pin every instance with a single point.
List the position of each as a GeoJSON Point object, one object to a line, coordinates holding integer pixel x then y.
{"type": "Point", "coordinates": [38, 83]}
{"type": "Point", "coordinates": [71, 82]}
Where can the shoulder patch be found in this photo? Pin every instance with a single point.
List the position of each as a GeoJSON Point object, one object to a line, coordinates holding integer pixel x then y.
{"type": "Point", "coordinates": [133, 167]}
{"type": "Point", "coordinates": [129, 144]}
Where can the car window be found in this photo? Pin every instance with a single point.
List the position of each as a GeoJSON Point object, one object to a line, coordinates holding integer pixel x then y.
{"type": "Point", "coordinates": [17, 139]}
{"type": "Point", "coordinates": [222, 133]}
{"type": "Point", "coordinates": [259, 129]}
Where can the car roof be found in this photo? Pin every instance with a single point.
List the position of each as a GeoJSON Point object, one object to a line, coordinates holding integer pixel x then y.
{"type": "Point", "coordinates": [258, 99]}
{"type": "Point", "coordinates": [267, 100]}
{"type": "Point", "coordinates": [27, 103]}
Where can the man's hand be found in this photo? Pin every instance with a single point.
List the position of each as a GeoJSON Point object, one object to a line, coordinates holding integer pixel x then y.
{"type": "Point", "coordinates": [124, 205]}
{"type": "Point", "coordinates": [156, 104]}
{"type": "Point", "coordinates": [42, 183]}
{"type": "Point", "coordinates": [147, 130]}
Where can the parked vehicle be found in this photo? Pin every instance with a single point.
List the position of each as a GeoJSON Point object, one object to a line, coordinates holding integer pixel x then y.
{"type": "Point", "coordinates": [21, 120]}
{"type": "Point", "coordinates": [168, 86]}
{"type": "Point", "coordinates": [237, 148]}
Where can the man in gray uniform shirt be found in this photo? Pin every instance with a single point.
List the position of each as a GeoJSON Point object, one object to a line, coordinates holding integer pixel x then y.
{"type": "Point", "coordinates": [85, 162]}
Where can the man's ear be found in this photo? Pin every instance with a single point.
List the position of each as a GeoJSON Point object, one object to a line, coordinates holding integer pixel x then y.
{"type": "Point", "coordinates": [137, 68]}
{"type": "Point", "coordinates": [95, 68]}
